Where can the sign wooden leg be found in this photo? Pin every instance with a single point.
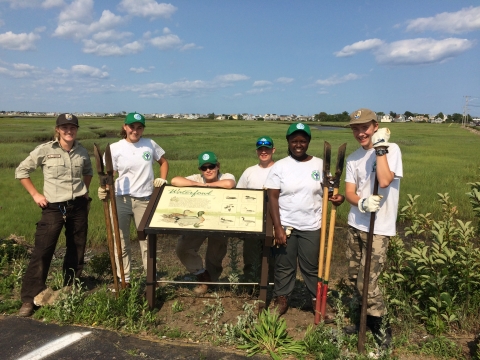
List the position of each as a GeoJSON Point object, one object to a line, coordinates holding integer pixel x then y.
{"type": "Point", "coordinates": [151, 269]}
{"type": "Point", "coordinates": [264, 275]}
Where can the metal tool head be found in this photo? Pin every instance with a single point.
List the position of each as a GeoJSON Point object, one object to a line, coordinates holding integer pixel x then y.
{"type": "Point", "coordinates": [340, 163]}
{"type": "Point", "coordinates": [327, 155]}
{"type": "Point", "coordinates": [108, 160]}
{"type": "Point", "coordinates": [98, 159]}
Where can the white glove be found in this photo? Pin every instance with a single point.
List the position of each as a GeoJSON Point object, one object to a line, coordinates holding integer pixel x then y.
{"type": "Point", "coordinates": [102, 193]}
{"type": "Point", "coordinates": [381, 137]}
{"type": "Point", "coordinates": [369, 204]}
{"type": "Point", "coordinates": [159, 182]}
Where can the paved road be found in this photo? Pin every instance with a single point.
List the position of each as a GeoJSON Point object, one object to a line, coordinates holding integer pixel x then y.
{"type": "Point", "coordinates": [23, 339]}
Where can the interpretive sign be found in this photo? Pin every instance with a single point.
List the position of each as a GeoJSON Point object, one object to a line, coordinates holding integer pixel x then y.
{"type": "Point", "coordinates": [240, 213]}
{"type": "Point", "coordinates": [209, 209]}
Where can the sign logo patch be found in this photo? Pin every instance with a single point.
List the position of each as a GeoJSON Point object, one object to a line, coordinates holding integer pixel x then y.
{"type": "Point", "coordinates": [147, 156]}
{"type": "Point", "coordinates": [316, 175]}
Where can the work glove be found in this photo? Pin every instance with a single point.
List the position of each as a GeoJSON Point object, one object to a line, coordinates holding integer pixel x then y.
{"type": "Point", "coordinates": [369, 204]}
{"type": "Point", "coordinates": [380, 138]}
{"type": "Point", "coordinates": [159, 182]}
{"type": "Point", "coordinates": [102, 193]}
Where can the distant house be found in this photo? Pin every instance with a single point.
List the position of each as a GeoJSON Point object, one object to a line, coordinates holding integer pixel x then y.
{"type": "Point", "coordinates": [384, 118]}
{"type": "Point", "coordinates": [399, 118]}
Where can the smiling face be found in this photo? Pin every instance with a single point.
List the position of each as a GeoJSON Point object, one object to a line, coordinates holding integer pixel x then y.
{"type": "Point", "coordinates": [210, 172]}
{"type": "Point", "coordinates": [298, 144]}
{"type": "Point", "coordinates": [363, 133]}
{"type": "Point", "coordinates": [133, 132]}
{"type": "Point", "coordinates": [66, 133]}
{"type": "Point", "coordinates": [265, 155]}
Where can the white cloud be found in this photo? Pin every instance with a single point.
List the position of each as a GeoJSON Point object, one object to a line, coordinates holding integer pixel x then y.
{"type": "Point", "coordinates": [284, 80]}
{"type": "Point", "coordinates": [166, 30]}
{"type": "Point", "coordinates": [47, 4]}
{"type": "Point", "coordinates": [78, 10]}
{"type": "Point", "coordinates": [166, 42]}
{"type": "Point", "coordinates": [350, 50]}
{"type": "Point", "coordinates": [89, 71]}
{"type": "Point", "coordinates": [262, 83]}
{"type": "Point", "coordinates": [190, 46]}
{"type": "Point", "coordinates": [465, 20]}
{"type": "Point", "coordinates": [23, 67]}
{"type": "Point", "coordinates": [20, 42]}
{"type": "Point", "coordinates": [421, 51]}
{"type": "Point", "coordinates": [258, 91]}
{"type": "Point", "coordinates": [139, 70]}
{"type": "Point", "coordinates": [231, 77]}
{"type": "Point", "coordinates": [335, 80]}
{"type": "Point", "coordinates": [110, 35]}
{"type": "Point", "coordinates": [107, 49]}
{"type": "Point", "coordinates": [147, 8]}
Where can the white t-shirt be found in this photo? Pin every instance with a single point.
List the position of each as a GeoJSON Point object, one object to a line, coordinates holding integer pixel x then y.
{"type": "Point", "coordinates": [134, 164]}
{"type": "Point", "coordinates": [200, 179]}
{"type": "Point", "coordinates": [253, 177]}
{"type": "Point", "coordinates": [360, 171]}
{"type": "Point", "coordinates": [301, 191]}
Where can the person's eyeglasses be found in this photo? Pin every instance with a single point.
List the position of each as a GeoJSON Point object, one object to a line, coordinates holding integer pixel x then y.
{"type": "Point", "coordinates": [208, 167]}
{"type": "Point", "coordinates": [264, 143]}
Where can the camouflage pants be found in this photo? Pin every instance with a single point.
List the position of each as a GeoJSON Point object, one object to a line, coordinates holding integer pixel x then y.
{"type": "Point", "coordinates": [356, 255]}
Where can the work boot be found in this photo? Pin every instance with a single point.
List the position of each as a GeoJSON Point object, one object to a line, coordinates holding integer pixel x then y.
{"type": "Point", "coordinates": [26, 310]}
{"type": "Point", "coordinates": [201, 289]}
{"type": "Point", "coordinates": [382, 332]}
{"type": "Point", "coordinates": [281, 303]}
{"type": "Point", "coordinates": [351, 329]}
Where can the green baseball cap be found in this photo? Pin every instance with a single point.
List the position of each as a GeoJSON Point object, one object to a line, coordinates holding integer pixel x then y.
{"type": "Point", "coordinates": [207, 157]}
{"type": "Point", "coordinates": [264, 141]}
{"type": "Point", "coordinates": [133, 118]}
{"type": "Point", "coordinates": [299, 127]}
{"type": "Point", "coordinates": [362, 116]}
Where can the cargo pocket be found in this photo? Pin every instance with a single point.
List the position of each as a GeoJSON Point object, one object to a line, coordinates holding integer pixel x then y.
{"type": "Point", "coordinates": [77, 167]}
{"type": "Point", "coordinates": [54, 167]}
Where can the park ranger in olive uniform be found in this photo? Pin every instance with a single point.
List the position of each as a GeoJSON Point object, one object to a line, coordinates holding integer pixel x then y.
{"type": "Point", "coordinates": [67, 172]}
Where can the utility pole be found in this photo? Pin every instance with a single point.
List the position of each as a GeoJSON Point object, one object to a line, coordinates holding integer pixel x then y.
{"type": "Point", "coordinates": [465, 111]}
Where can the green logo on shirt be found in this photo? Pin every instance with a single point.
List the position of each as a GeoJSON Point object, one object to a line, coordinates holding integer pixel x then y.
{"type": "Point", "coordinates": [316, 175]}
{"type": "Point", "coordinates": [147, 156]}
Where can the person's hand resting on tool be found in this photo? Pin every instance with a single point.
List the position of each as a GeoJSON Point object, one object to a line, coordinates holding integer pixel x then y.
{"type": "Point", "coordinates": [337, 199]}
{"type": "Point", "coordinates": [380, 138]}
{"type": "Point", "coordinates": [159, 182]}
{"type": "Point", "coordinates": [369, 204]}
{"type": "Point", "coordinates": [102, 193]}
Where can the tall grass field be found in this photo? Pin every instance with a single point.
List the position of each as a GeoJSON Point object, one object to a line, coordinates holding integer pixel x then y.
{"type": "Point", "coordinates": [437, 158]}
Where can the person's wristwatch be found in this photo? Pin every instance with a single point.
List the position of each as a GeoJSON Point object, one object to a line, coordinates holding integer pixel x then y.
{"type": "Point", "coordinates": [381, 152]}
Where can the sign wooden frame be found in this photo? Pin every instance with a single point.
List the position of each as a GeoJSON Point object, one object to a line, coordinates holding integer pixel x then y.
{"type": "Point", "coordinates": [228, 212]}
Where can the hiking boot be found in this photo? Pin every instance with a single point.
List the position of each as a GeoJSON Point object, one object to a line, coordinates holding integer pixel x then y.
{"type": "Point", "coordinates": [201, 289]}
{"type": "Point", "coordinates": [381, 330]}
{"type": "Point", "coordinates": [26, 310]}
{"type": "Point", "coordinates": [281, 303]}
{"type": "Point", "coordinates": [351, 329]}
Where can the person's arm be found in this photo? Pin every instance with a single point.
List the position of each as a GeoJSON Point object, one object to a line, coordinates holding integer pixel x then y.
{"type": "Point", "coordinates": [280, 236]}
{"type": "Point", "coordinates": [351, 193]}
{"type": "Point", "coordinates": [87, 179]}
{"type": "Point", "coordinates": [384, 175]}
{"type": "Point", "coordinates": [225, 183]}
{"type": "Point", "coordinates": [163, 167]}
{"type": "Point", "coordinates": [180, 181]}
{"type": "Point", "coordinates": [39, 199]}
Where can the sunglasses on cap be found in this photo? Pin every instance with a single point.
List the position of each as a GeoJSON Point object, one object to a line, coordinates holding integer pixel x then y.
{"type": "Point", "coordinates": [264, 143]}
{"type": "Point", "coordinates": [208, 167]}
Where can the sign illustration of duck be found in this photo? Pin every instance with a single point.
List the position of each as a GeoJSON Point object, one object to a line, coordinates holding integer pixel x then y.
{"type": "Point", "coordinates": [185, 219]}
{"type": "Point", "coordinates": [247, 222]}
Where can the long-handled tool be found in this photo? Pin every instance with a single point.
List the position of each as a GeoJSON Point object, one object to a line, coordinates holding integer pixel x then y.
{"type": "Point", "coordinates": [107, 183]}
{"type": "Point", "coordinates": [113, 206]}
{"type": "Point", "coordinates": [366, 278]}
{"type": "Point", "coordinates": [333, 215]}
{"type": "Point", "coordinates": [328, 181]}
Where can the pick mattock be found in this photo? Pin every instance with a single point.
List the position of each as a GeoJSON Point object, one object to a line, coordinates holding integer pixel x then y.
{"type": "Point", "coordinates": [366, 278]}
{"type": "Point", "coordinates": [328, 181]}
{"type": "Point", "coordinates": [107, 182]}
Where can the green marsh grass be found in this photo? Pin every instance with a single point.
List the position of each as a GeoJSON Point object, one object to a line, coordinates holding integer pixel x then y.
{"type": "Point", "coordinates": [437, 158]}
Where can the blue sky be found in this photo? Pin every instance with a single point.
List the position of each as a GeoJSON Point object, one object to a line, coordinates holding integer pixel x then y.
{"type": "Point", "coordinates": [250, 56]}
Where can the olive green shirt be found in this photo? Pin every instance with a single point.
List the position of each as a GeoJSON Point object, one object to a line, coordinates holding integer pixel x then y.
{"type": "Point", "coordinates": [63, 171]}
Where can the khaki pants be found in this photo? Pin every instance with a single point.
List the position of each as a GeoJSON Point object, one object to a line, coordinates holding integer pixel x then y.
{"type": "Point", "coordinates": [129, 208]}
{"type": "Point", "coordinates": [187, 251]}
{"type": "Point", "coordinates": [356, 255]}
